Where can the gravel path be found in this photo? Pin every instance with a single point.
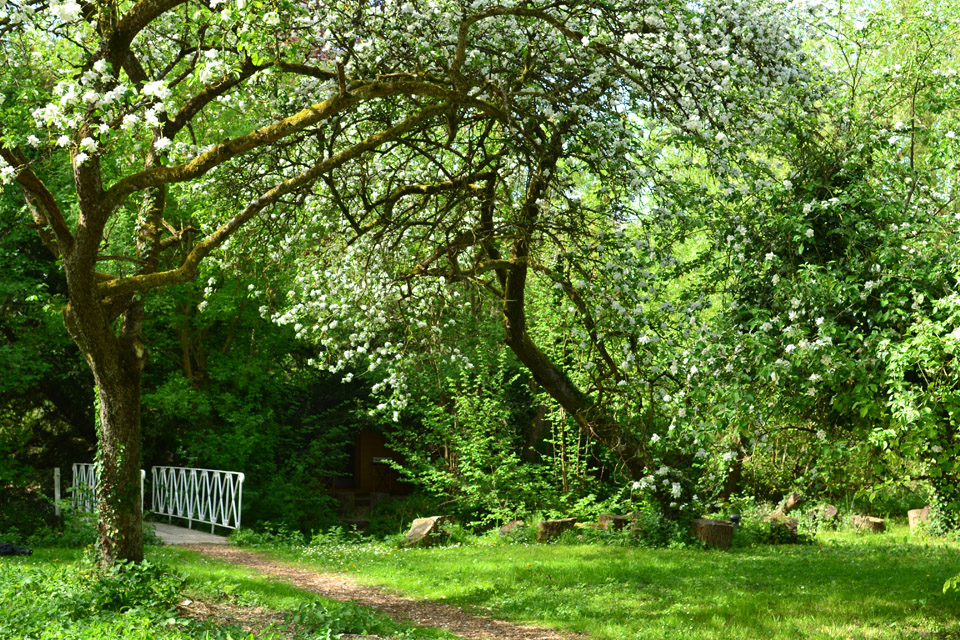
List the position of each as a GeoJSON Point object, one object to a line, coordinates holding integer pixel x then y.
{"type": "Point", "coordinates": [337, 586]}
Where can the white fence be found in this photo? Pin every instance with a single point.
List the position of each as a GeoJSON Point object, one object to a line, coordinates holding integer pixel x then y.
{"type": "Point", "coordinates": [202, 495]}
{"type": "Point", "coordinates": [84, 487]}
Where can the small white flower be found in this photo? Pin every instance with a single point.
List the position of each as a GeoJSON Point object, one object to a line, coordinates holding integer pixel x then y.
{"type": "Point", "coordinates": [157, 88]}
{"type": "Point", "coordinates": [654, 439]}
{"type": "Point", "coordinates": [821, 435]}
{"type": "Point", "coordinates": [80, 158]}
{"type": "Point", "coordinates": [33, 140]}
{"type": "Point", "coordinates": [89, 144]}
{"type": "Point", "coordinates": [63, 141]}
{"type": "Point", "coordinates": [808, 233]}
{"type": "Point", "coordinates": [271, 18]}
{"type": "Point", "coordinates": [129, 121]}
{"type": "Point", "coordinates": [100, 66]}
{"type": "Point", "coordinates": [161, 144]}
{"type": "Point", "coordinates": [675, 490]}
{"type": "Point", "coordinates": [67, 11]}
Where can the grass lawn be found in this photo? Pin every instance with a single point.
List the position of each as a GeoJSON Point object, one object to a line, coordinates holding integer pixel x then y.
{"type": "Point", "coordinates": [54, 594]}
{"type": "Point", "coordinates": [845, 586]}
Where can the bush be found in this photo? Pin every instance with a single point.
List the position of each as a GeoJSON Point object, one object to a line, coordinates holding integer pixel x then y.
{"type": "Point", "coordinates": [394, 516]}
{"type": "Point", "coordinates": [268, 534]}
{"type": "Point", "coordinates": [24, 511]}
{"type": "Point", "coordinates": [129, 585]}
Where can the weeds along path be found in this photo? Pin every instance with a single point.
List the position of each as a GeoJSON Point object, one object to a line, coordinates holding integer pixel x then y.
{"type": "Point", "coordinates": [337, 586]}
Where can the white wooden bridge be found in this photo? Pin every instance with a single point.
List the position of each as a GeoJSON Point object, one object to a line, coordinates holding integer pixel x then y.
{"type": "Point", "coordinates": [184, 495]}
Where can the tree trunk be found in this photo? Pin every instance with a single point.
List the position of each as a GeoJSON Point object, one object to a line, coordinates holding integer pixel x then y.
{"type": "Point", "coordinates": [590, 419]}
{"type": "Point", "coordinates": [117, 363]}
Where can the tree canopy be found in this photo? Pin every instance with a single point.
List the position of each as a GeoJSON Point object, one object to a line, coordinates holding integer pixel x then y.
{"type": "Point", "coordinates": [609, 180]}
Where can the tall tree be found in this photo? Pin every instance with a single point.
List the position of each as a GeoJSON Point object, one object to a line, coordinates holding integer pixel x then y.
{"type": "Point", "coordinates": [181, 122]}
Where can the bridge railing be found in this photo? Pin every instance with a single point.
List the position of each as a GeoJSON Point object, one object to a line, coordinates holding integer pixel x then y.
{"type": "Point", "coordinates": [84, 487]}
{"type": "Point", "coordinates": [208, 496]}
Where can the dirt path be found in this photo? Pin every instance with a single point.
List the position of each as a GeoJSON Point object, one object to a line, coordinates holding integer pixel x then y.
{"type": "Point", "coordinates": [422, 613]}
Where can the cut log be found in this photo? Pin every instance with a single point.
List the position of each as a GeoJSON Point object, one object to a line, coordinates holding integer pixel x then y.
{"type": "Point", "coordinates": [792, 502]}
{"type": "Point", "coordinates": [716, 533]}
{"type": "Point", "coordinates": [868, 523]}
{"type": "Point", "coordinates": [784, 529]}
{"type": "Point", "coordinates": [918, 517]}
{"type": "Point", "coordinates": [549, 529]}
{"type": "Point", "coordinates": [425, 531]}
{"type": "Point", "coordinates": [609, 521]}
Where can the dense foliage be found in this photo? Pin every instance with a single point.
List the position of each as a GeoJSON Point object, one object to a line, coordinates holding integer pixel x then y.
{"type": "Point", "coordinates": [569, 258]}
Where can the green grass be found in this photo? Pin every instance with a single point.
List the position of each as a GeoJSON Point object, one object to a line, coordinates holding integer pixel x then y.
{"type": "Point", "coordinates": [845, 586]}
{"type": "Point", "coordinates": [56, 594]}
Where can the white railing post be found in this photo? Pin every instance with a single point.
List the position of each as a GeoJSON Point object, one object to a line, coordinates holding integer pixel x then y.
{"type": "Point", "coordinates": [56, 491]}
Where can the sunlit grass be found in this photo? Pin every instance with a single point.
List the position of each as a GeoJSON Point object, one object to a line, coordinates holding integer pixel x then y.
{"type": "Point", "coordinates": [844, 586]}
{"type": "Point", "coordinates": [210, 578]}
{"type": "Point", "coordinates": [54, 594]}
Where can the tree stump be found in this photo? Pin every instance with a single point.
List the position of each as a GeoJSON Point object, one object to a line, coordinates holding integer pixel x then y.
{"type": "Point", "coordinates": [784, 529]}
{"type": "Point", "coordinates": [918, 517]}
{"type": "Point", "coordinates": [868, 523]}
{"type": "Point", "coordinates": [511, 526]}
{"type": "Point", "coordinates": [716, 533]}
{"type": "Point", "coordinates": [425, 531]}
{"type": "Point", "coordinates": [609, 521]}
{"type": "Point", "coordinates": [549, 529]}
{"type": "Point", "coordinates": [792, 502]}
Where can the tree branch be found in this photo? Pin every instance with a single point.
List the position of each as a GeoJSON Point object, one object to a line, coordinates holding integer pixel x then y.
{"type": "Point", "coordinates": [266, 135]}
{"type": "Point", "coordinates": [187, 271]}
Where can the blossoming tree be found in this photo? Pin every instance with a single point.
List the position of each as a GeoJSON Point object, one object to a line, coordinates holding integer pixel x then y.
{"type": "Point", "coordinates": [144, 136]}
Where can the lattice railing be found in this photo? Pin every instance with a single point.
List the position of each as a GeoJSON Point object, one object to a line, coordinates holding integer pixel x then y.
{"type": "Point", "coordinates": [85, 487]}
{"type": "Point", "coordinates": [198, 495]}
